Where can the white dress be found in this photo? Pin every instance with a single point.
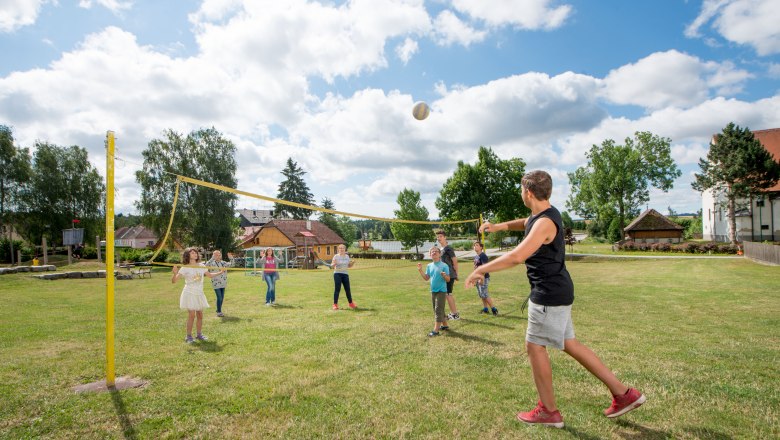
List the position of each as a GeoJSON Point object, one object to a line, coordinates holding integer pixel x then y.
{"type": "Point", "coordinates": [192, 297]}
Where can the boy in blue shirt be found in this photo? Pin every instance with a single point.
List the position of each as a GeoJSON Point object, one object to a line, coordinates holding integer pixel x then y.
{"type": "Point", "coordinates": [438, 273]}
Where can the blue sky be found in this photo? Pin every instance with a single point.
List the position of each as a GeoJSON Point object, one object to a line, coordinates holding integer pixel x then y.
{"type": "Point", "coordinates": [332, 84]}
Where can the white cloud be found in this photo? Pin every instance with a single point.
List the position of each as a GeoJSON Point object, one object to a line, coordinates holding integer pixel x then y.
{"type": "Point", "coordinates": [112, 5]}
{"type": "Point", "coordinates": [300, 38]}
{"type": "Point", "coordinates": [749, 22]}
{"type": "Point", "coordinates": [15, 14]}
{"type": "Point", "coordinates": [774, 70]}
{"type": "Point", "coordinates": [406, 50]}
{"type": "Point", "coordinates": [449, 29]}
{"type": "Point", "coordinates": [524, 14]}
{"type": "Point", "coordinates": [672, 78]}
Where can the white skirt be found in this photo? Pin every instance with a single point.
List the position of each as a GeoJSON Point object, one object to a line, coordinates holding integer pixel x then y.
{"type": "Point", "coordinates": [193, 300]}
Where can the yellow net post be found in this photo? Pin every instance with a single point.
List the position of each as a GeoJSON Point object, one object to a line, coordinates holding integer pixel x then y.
{"type": "Point", "coordinates": [483, 232]}
{"type": "Point", "coordinates": [110, 374]}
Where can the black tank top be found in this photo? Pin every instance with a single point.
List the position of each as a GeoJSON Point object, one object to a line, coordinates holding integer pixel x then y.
{"type": "Point", "coordinates": [551, 284]}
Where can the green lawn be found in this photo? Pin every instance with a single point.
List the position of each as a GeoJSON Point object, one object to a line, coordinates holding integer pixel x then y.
{"type": "Point", "coordinates": [699, 337]}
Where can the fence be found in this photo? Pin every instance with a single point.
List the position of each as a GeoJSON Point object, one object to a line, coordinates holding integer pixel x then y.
{"type": "Point", "coordinates": [767, 253]}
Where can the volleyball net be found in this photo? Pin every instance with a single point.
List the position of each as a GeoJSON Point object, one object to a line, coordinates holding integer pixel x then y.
{"type": "Point", "coordinates": [312, 243]}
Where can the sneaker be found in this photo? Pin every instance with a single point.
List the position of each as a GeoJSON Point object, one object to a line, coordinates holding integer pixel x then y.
{"type": "Point", "coordinates": [273, 303]}
{"type": "Point", "coordinates": [541, 416]}
{"type": "Point", "coordinates": [485, 311]}
{"type": "Point", "coordinates": [622, 404]}
{"type": "Point", "coordinates": [335, 306]}
{"type": "Point", "coordinates": [495, 311]}
{"type": "Point", "coordinates": [189, 340]}
{"type": "Point", "coordinates": [201, 337]}
{"type": "Point", "coordinates": [268, 304]}
{"type": "Point", "coordinates": [220, 315]}
{"type": "Point", "coordinates": [444, 327]}
{"type": "Point", "coordinates": [352, 305]}
{"type": "Point", "coordinates": [455, 316]}
{"type": "Point", "coordinates": [434, 333]}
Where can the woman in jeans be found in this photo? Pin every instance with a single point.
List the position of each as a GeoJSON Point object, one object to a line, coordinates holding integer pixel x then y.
{"type": "Point", "coordinates": [340, 264]}
{"type": "Point", "coordinates": [270, 275]}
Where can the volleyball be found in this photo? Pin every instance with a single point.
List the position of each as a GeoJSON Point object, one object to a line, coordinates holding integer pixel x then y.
{"type": "Point", "coordinates": [421, 111]}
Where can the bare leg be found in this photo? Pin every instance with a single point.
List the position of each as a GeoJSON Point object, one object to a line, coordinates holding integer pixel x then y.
{"type": "Point", "coordinates": [199, 313]}
{"type": "Point", "coordinates": [490, 302]}
{"type": "Point", "coordinates": [542, 371]}
{"type": "Point", "coordinates": [588, 359]}
{"type": "Point", "coordinates": [190, 319]}
{"type": "Point", "coordinates": [451, 303]}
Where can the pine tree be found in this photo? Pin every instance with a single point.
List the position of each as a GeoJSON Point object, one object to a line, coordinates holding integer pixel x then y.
{"type": "Point", "coordinates": [293, 189]}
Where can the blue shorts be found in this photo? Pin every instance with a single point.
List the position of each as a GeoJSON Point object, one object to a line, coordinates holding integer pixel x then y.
{"type": "Point", "coordinates": [482, 289]}
{"type": "Point", "coordinates": [549, 325]}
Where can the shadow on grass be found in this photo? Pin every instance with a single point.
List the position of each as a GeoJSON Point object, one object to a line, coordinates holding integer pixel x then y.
{"type": "Point", "coordinates": [208, 346]}
{"type": "Point", "coordinates": [578, 434]}
{"type": "Point", "coordinates": [364, 309]}
{"type": "Point", "coordinates": [285, 306]}
{"type": "Point", "coordinates": [492, 324]}
{"type": "Point", "coordinates": [128, 431]}
{"type": "Point", "coordinates": [229, 319]}
{"type": "Point", "coordinates": [643, 432]}
{"type": "Point", "coordinates": [454, 334]}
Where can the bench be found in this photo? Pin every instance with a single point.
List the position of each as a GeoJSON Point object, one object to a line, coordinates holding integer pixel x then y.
{"type": "Point", "coordinates": [141, 272]}
{"type": "Point", "coordinates": [507, 243]}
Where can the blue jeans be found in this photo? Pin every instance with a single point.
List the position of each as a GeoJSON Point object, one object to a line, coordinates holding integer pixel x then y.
{"type": "Point", "coordinates": [220, 297]}
{"type": "Point", "coordinates": [270, 294]}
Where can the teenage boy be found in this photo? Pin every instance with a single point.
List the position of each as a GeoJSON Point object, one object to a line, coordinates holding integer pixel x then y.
{"type": "Point", "coordinates": [449, 258]}
{"type": "Point", "coordinates": [549, 306]}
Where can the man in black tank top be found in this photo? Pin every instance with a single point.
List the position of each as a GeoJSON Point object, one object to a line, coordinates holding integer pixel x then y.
{"type": "Point", "coordinates": [550, 301]}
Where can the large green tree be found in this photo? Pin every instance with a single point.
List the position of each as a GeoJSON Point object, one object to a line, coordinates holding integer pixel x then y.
{"type": "Point", "coordinates": [490, 187]}
{"type": "Point", "coordinates": [15, 172]}
{"type": "Point", "coordinates": [410, 208]}
{"type": "Point", "coordinates": [64, 186]}
{"type": "Point", "coordinates": [615, 183]}
{"type": "Point", "coordinates": [204, 216]}
{"type": "Point", "coordinates": [737, 166]}
{"type": "Point", "coordinates": [328, 219]}
{"type": "Point", "coordinates": [293, 189]}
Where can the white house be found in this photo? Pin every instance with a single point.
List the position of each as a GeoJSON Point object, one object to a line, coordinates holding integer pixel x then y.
{"type": "Point", "coordinates": [137, 237]}
{"type": "Point", "coordinates": [758, 219]}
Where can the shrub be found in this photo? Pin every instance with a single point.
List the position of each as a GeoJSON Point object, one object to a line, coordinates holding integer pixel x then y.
{"type": "Point", "coordinates": [174, 258]}
{"type": "Point", "coordinates": [691, 247]}
{"type": "Point", "coordinates": [89, 252]}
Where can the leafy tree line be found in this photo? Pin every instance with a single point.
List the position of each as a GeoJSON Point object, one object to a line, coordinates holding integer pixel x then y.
{"type": "Point", "coordinates": [45, 192]}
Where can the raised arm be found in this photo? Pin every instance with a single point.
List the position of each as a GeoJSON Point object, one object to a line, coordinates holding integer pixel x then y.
{"type": "Point", "coordinates": [422, 274]}
{"type": "Point", "coordinates": [511, 225]}
{"type": "Point", "coordinates": [176, 275]}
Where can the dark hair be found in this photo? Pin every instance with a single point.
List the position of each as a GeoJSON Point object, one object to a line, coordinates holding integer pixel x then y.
{"type": "Point", "coordinates": [185, 256]}
{"type": "Point", "coordinates": [539, 183]}
{"type": "Point", "coordinates": [479, 243]}
{"type": "Point", "coordinates": [441, 232]}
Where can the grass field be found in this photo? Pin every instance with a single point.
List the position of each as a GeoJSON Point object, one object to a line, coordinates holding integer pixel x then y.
{"type": "Point", "coordinates": [699, 337]}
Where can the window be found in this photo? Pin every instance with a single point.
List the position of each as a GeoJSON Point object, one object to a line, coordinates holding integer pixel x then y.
{"type": "Point", "coordinates": [327, 250]}
{"type": "Point", "coordinates": [764, 227]}
{"type": "Point", "coordinates": [759, 203]}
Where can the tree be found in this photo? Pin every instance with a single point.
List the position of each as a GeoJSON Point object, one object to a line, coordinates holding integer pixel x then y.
{"type": "Point", "coordinates": [615, 182]}
{"type": "Point", "coordinates": [64, 186]}
{"type": "Point", "coordinates": [490, 187]}
{"type": "Point", "coordinates": [737, 166]}
{"type": "Point", "coordinates": [15, 171]}
{"type": "Point", "coordinates": [327, 218]}
{"type": "Point", "coordinates": [204, 216]}
{"type": "Point", "coordinates": [293, 189]}
{"type": "Point", "coordinates": [347, 230]}
{"type": "Point", "coordinates": [567, 221]}
{"type": "Point", "coordinates": [411, 234]}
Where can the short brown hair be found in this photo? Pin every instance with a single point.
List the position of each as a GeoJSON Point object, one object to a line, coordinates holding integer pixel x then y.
{"type": "Point", "coordinates": [479, 243]}
{"type": "Point", "coordinates": [539, 183]}
{"type": "Point", "coordinates": [441, 232]}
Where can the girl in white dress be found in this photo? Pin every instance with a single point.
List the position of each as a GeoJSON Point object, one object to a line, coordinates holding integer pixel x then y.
{"type": "Point", "coordinates": [192, 299]}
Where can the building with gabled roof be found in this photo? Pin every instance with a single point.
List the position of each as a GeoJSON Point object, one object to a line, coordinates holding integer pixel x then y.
{"type": "Point", "coordinates": [758, 218]}
{"type": "Point", "coordinates": [254, 217]}
{"type": "Point", "coordinates": [304, 235]}
{"type": "Point", "coordinates": [653, 227]}
{"type": "Point", "coordinates": [137, 237]}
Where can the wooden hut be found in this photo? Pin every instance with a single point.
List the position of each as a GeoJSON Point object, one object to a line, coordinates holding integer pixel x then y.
{"type": "Point", "coordinates": [653, 227]}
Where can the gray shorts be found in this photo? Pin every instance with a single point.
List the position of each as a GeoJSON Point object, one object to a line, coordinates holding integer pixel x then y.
{"type": "Point", "coordinates": [482, 289]}
{"type": "Point", "coordinates": [549, 325]}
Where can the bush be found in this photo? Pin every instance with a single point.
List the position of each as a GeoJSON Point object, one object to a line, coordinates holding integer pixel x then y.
{"type": "Point", "coordinates": [462, 245]}
{"type": "Point", "coordinates": [691, 247]}
{"type": "Point", "coordinates": [89, 252]}
{"type": "Point", "coordinates": [173, 258]}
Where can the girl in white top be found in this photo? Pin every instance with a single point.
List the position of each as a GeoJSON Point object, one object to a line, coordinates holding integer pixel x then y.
{"type": "Point", "coordinates": [340, 264]}
{"type": "Point", "coordinates": [192, 299]}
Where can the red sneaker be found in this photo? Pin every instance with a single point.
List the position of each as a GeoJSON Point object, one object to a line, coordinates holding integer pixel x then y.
{"type": "Point", "coordinates": [541, 416]}
{"type": "Point", "coordinates": [335, 306]}
{"type": "Point", "coordinates": [352, 305]}
{"type": "Point", "coordinates": [622, 404]}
